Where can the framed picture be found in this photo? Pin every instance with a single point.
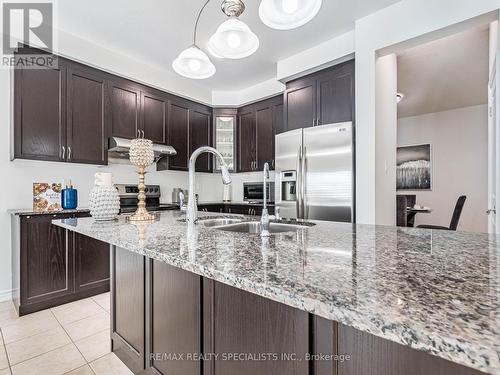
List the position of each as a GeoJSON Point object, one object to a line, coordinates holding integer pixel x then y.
{"type": "Point", "coordinates": [414, 167]}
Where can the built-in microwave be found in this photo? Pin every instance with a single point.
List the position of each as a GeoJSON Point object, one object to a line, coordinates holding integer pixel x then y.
{"type": "Point", "coordinates": [254, 192]}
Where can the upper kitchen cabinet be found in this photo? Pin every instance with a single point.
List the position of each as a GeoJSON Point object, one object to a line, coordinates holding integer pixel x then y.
{"type": "Point", "coordinates": [200, 120]}
{"type": "Point", "coordinates": [335, 95]}
{"type": "Point", "coordinates": [268, 122]}
{"type": "Point", "coordinates": [124, 100]}
{"type": "Point", "coordinates": [59, 114]}
{"type": "Point", "coordinates": [40, 113]}
{"type": "Point", "coordinates": [246, 139]}
{"type": "Point", "coordinates": [321, 98]}
{"type": "Point", "coordinates": [154, 116]}
{"type": "Point", "coordinates": [300, 103]}
{"type": "Point", "coordinates": [188, 128]}
{"type": "Point", "coordinates": [257, 125]}
{"type": "Point", "coordinates": [86, 130]}
{"type": "Point", "coordinates": [178, 132]}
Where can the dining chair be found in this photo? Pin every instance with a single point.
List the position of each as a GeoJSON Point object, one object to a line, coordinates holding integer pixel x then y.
{"type": "Point", "coordinates": [457, 212]}
{"type": "Point", "coordinates": [401, 215]}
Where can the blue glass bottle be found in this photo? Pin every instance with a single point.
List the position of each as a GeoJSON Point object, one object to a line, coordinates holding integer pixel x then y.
{"type": "Point", "coordinates": [69, 198]}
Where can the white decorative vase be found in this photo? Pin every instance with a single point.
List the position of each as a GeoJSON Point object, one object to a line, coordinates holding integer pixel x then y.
{"type": "Point", "coordinates": [104, 202]}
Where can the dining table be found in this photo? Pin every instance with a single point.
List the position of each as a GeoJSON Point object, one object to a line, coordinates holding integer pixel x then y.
{"type": "Point", "coordinates": [411, 212]}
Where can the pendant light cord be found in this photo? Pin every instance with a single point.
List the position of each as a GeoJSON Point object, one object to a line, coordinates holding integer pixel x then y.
{"type": "Point", "coordinates": [197, 19]}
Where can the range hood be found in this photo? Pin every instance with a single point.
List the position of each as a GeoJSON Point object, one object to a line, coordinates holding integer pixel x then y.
{"type": "Point", "coordinates": [119, 148]}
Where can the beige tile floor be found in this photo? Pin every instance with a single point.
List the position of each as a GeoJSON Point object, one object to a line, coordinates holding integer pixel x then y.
{"type": "Point", "coordinates": [68, 339]}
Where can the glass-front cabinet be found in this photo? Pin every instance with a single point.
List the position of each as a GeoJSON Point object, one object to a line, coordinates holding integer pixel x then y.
{"type": "Point", "coordinates": [224, 129]}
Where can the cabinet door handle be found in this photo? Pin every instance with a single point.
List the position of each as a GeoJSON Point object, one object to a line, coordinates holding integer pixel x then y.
{"type": "Point", "coordinates": [142, 133]}
{"type": "Point", "coordinates": [138, 133]}
{"type": "Point", "coordinates": [272, 163]}
{"type": "Point", "coordinates": [69, 153]}
{"type": "Point", "coordinates": [63, 155]}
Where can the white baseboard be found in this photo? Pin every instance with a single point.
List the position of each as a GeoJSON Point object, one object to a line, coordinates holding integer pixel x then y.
{"type": "Point", "coordinates": [5, 295]}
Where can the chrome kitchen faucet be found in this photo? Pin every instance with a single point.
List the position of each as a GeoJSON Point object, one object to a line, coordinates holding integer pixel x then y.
{"type": "Point", "coordinates": [192, 206]}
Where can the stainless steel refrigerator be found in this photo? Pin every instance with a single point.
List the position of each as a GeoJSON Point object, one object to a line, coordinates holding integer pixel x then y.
{"type": "Point", "coordinates": [314, 173]}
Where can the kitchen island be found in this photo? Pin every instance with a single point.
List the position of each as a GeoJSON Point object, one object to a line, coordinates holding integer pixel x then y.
{"type": "Point", "coordinates": [384, 300]}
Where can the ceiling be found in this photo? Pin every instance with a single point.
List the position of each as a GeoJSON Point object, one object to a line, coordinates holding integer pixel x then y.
{"type": "Point", "coordinates": [445, 74]}
{"type": "Point", "coordinates": [156, 31]}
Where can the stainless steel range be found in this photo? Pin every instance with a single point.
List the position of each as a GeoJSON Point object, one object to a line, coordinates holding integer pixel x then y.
{"type": "Point", "coordinates": [128, 198]}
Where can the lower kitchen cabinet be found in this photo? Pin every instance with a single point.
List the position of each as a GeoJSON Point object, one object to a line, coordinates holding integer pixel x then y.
{"type": "Point", "coordinates": [51, 266]}
{"type": "Point", "coordinates": [372, 355]}
{"type": "Point", "coordinates": [91, 263]}
{"type": "Point", "coordinates": [128, 310]}
{"type": "Point", "coordinates": [245, 323]}
{"type": "Point", "coordinates": [175, 315]}
{"type": "Point", "coordinates": [240, 209]}
{"type": "Point", "coordinates": [164, 318]}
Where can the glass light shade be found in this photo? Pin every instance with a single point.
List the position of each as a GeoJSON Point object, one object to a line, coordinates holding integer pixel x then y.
{"type": "Point", "coordinates": [288, 14]}
{"type": "Point", "coordinates": [141, 152]}
{"type": "Point", "coordinates": [193, 63]}
{"type": "Point", "coordinates": [233, 40]}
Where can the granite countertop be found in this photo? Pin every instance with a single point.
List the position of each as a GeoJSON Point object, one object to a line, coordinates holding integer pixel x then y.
{"type": "Point", "coordinates": [436, 291]}
{"type": "Point", "coordinates": [29, 211]}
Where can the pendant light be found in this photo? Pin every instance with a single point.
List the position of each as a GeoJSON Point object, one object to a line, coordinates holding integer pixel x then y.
{"type": "Point", "coordinates": [233, 38]}
{"type": "Point", "coordinates": [288, 14]}
{"type": "Point", "coordinates": [193, 62]}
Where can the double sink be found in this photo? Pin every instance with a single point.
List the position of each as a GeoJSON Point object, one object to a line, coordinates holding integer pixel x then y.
{"type": "Point", "coordinates": [242, 226]}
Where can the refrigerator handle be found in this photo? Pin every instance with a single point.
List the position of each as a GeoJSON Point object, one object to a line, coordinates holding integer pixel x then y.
{"type": "Point", "coordinates": [303, 185]}
{"type": "Point", "coordinates": [298, 183]}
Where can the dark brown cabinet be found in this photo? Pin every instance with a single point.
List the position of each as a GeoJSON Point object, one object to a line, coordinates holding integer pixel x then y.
{"type": "Point", "coordinates": [300, 104]}
{"type": "Point", "coordinates": [377, 356]}
{"type": "Point", "coordinates": [124, 101]}
{"type": "Point", "coordinates": [86, 130]}
{"type": "Point", "coordinates": [199, 134]}
{"type": "Point", "coordinates": [246, 323]}
{"type": "Point", "coordinates": [321, 98]}
{"type": "Point", "coordinates": [46, 260]}
{"type": "Point", "coordinates": [178, 128]}
{"type": "Point", "coordinates": [232, 208]}
{"type": "Point", "coordinates": [189, 127]}
{"type": "Point", "coordinates": [257, 126]}
{"type": "Point", "coordinates": [154, 116]}
{"type": "Point", "coordinates": [179, 331]}
{"type": "Point", "coordinates": [40, 113]}
{"type": "Point", "coordinates": [246, 140]}
{"type": "Point", "coordinates": [335, 95]}
{"type": "Point", "coordinates": [52, 266]}
{"type": "Point", "coordinates": [128, 295]}
{"type": "Point", "coordinates": [91, 263]}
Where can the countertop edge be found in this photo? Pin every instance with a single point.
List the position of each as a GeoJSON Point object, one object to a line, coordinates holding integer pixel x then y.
{"type": "Point", "coordinates": [30, 212]}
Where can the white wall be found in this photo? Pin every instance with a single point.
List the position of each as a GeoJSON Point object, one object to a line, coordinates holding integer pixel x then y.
{"type": "Point", "coordinates": [395, 24]}
{"type": "Point", "coordinates": [325, 54]}
{"type": "Point", "coordinates": [254, 93]}
{"type": "Point", "coordinates": [459, 140]}
{"type": "Point", "coordinates": [385, 142]}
